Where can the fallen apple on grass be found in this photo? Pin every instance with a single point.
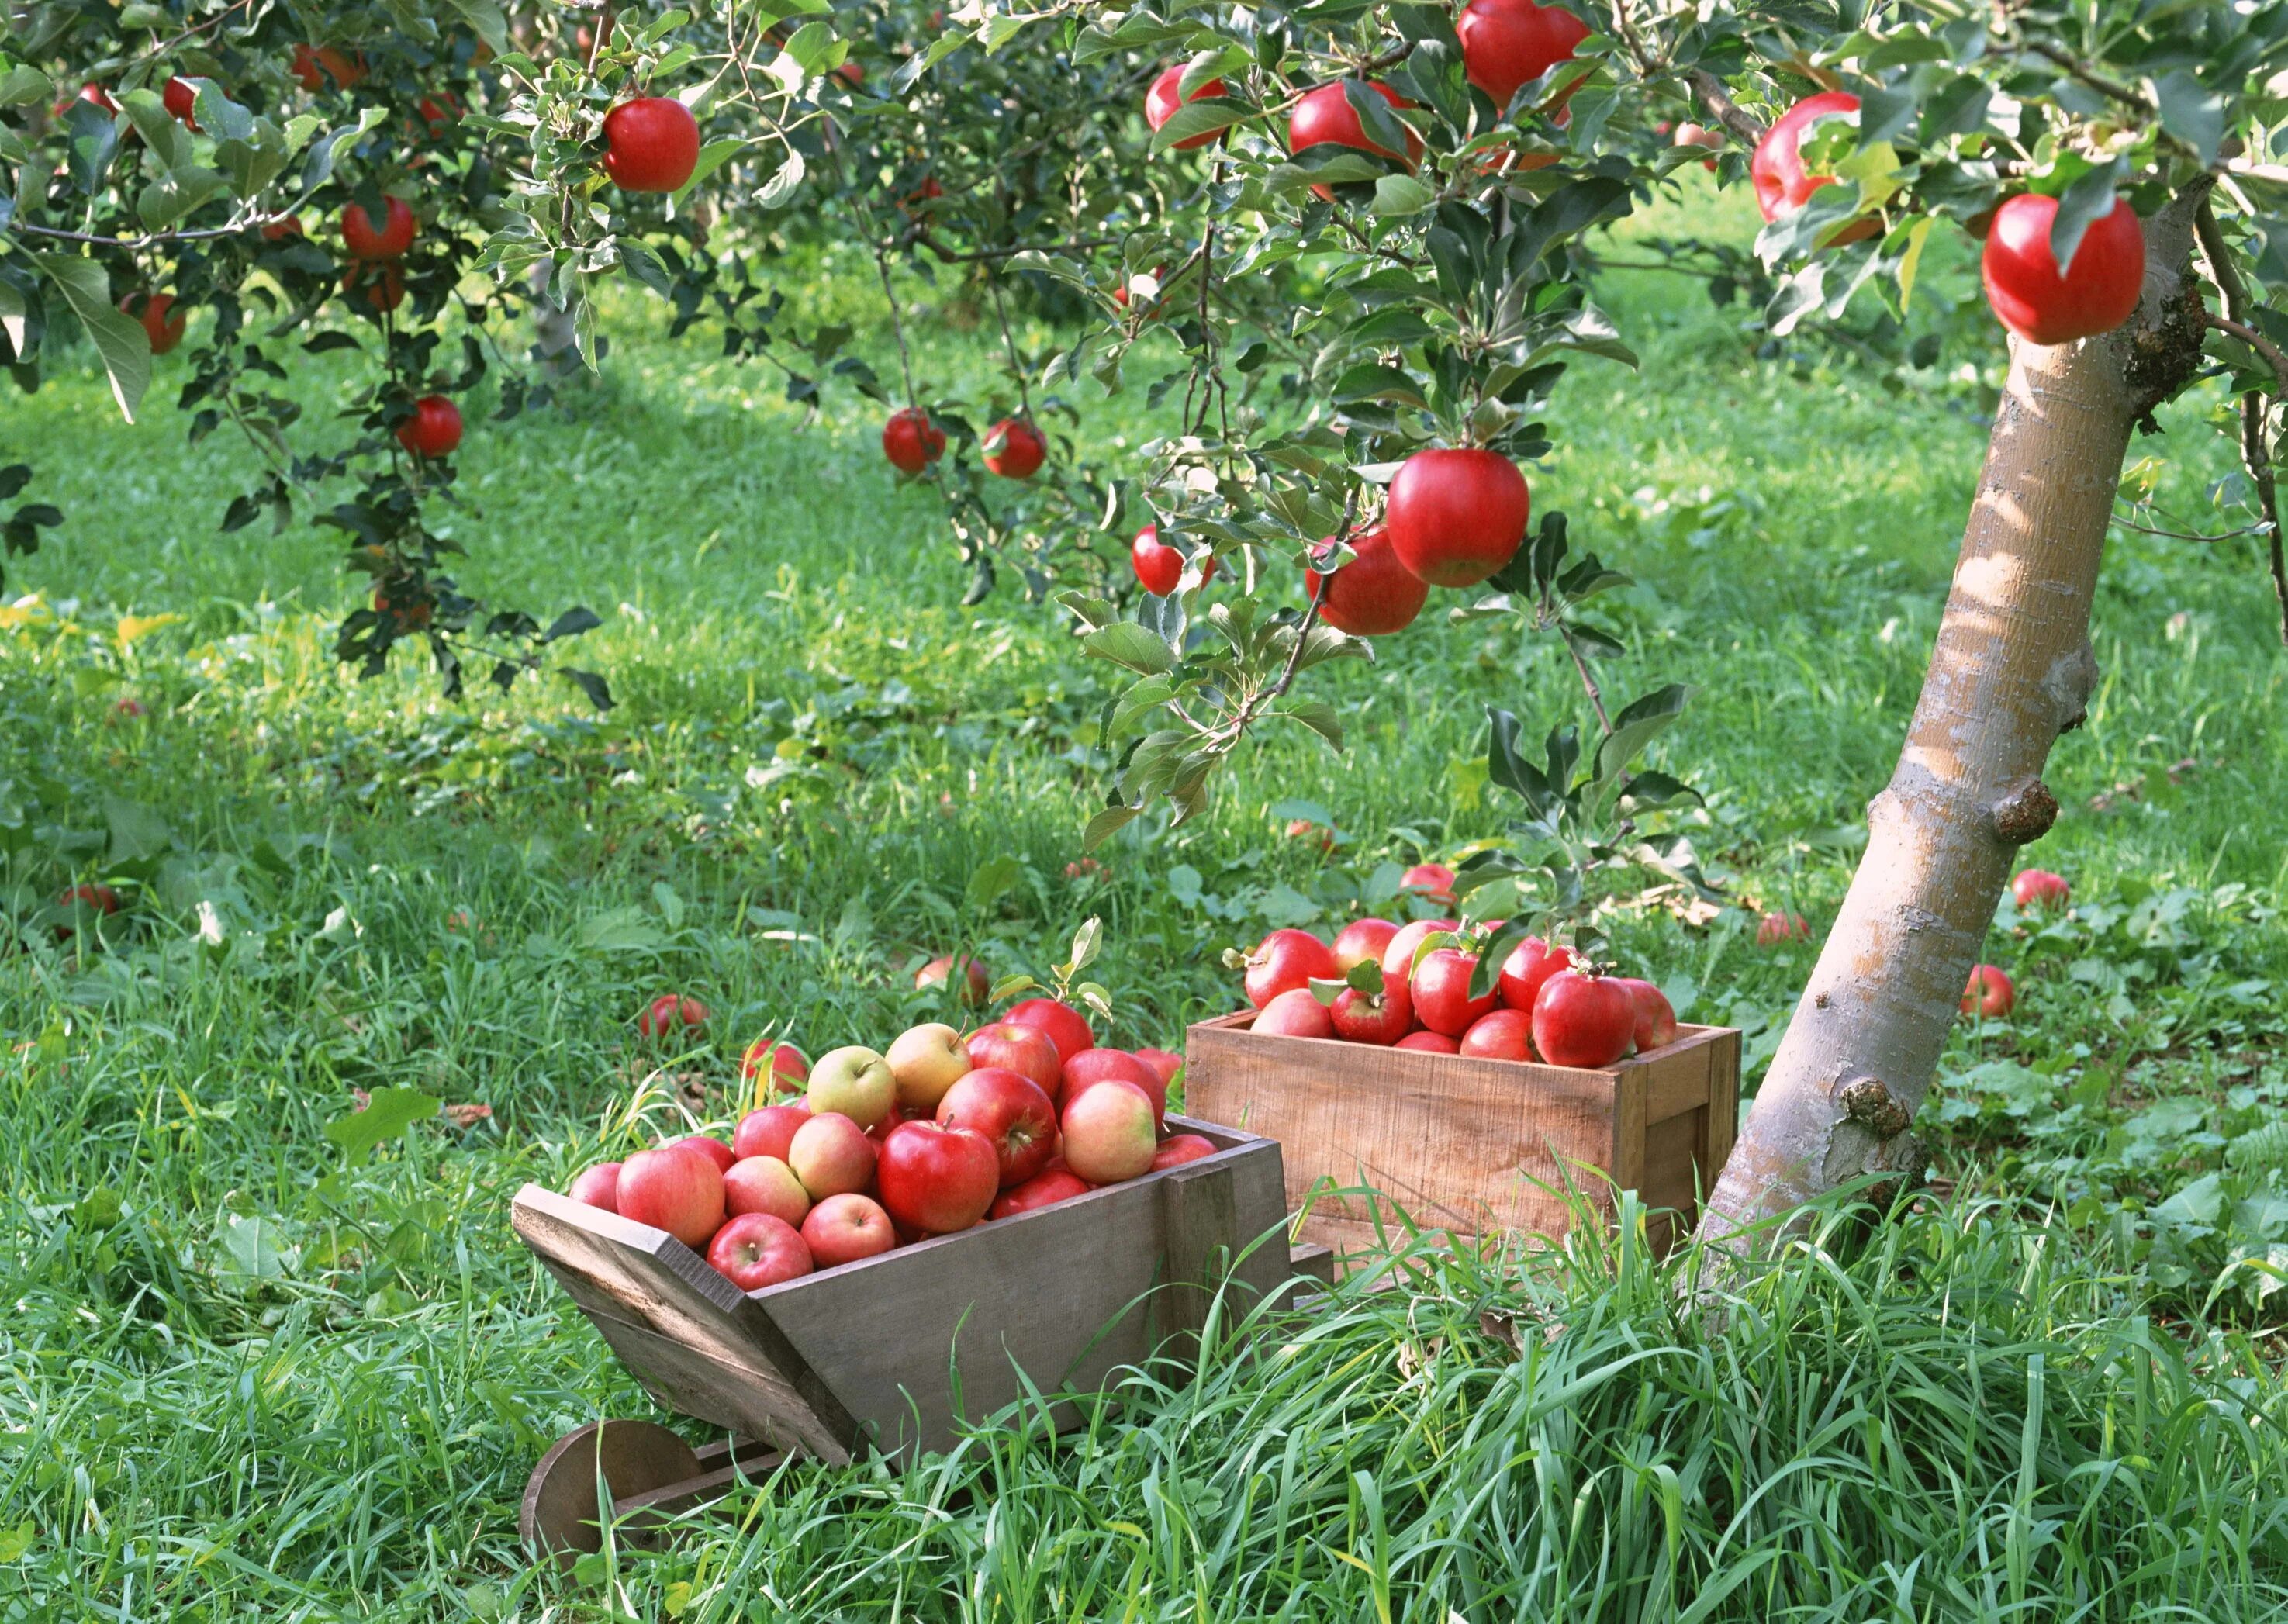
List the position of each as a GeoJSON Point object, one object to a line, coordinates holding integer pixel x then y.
{"type": "Point", "coordinates": [786, 1065]}
{"type": "Point", "coordinates": [671, 1012]}
{"type": "Point", "coordinates": [976, 985]}
{"type": "Point", "coordinates": [1989, 993]}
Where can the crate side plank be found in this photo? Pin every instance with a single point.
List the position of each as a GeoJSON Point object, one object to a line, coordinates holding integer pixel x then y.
{"type": "Point", "coordinates": [1455, 1141]}
{"type": "Point", "coordinates": [1058, 1293]}
{"type": "Point", "coordinates": [692, 1382]}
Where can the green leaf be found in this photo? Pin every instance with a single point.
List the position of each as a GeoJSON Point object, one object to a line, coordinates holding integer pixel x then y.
{"type": "Point", "coordinates": [2090, 198]}
{"type": "Point", "coordinates": [1399, 195]}
{"type": "Point", "coordinates": [256, 1247]}
{"type": "Point", "coordinates": [24, 83]}
{"type": "Point", "coordinates": [990, 880]}
{"type": "Point", "coordinates": [669, 903]}
{"type": "Point", "coordinates": [1125, 642]}
{"type": "Point", "coordinates": [137, 831]}
{"type": "Point", "coordinates": [2191, 112]}
{"type": "Point", "coordinates": [1321, 718]}
{"type": "Point", "coordinates": [1107, 823]}
{"type": "Point", "coordinates": [1209, 116]}
{"type": "Point", "coordinates": [1639, 722]}
{"type": "Point", "coordinates": [119, 339]}
{"type": "Point", "coordinates": [388, 1112]}
{"type": "Point", "coordinates": [485, 19]}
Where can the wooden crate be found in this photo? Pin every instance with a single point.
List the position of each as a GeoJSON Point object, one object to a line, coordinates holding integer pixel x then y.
{"type": "Point", "coordinates": [871, 1354]}
{"type": "Point", "coordinates": [1468, 1145]}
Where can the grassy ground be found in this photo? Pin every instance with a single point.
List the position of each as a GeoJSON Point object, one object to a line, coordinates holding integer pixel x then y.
{"type": "Point", "coordinates": [241, 1377]}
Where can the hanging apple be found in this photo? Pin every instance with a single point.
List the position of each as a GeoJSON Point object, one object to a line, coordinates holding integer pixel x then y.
{"type": "Point", "coordinates": [1372, 595]}
{"type": "Point", "coordinates": [911, 441]}
{"type": "Point", "coordinates": [2095, 294]}
{"type": "Point", "coordinates": [433, 429]}
{"type": "Point", "coordinates": [1015, 449]}
{"type": "Point", "coordinates": [1161, 100]}
{"type": "Point", "coordinates": [1507, 44]}
{"type": "Point", "coordinates": [389, 241]}
{"type": "Point", "coordinates": [652, 143]}
{"type": "Point", "coordinates": [1458, 516]}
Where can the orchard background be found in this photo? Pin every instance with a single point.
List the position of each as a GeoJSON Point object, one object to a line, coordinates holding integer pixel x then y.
{"type": "Point", "coordinates": [253, 1365]}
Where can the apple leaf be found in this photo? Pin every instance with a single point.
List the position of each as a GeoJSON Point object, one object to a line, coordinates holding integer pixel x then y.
{"type": "Point", "coordinates": [119, 338]}
{"type": "Point", "coordinates": [388, 1112]}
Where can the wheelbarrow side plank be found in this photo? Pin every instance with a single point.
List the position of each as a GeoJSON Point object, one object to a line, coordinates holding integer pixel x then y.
{"type": "Point", "coordinates": [697, 1342]}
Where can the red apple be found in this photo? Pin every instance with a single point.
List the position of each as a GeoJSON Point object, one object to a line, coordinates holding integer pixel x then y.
{"type": "Point", "coordinates": [1457, 517]}
{"type": "Point", "coordinates": [937, 1179]}
{"type": "Point", "coordinates": [714, 1149]}
{"type": "Point", "coordinates": [1324, 116]}
{"type": "Point", "coordinates": [154, 311]}
{"type": "Point", "coordinates": [1014, 1047]}
{"type": "Point", "coordinates": [843, 1229]}
{"type": "Point", "coordinates": [1442, 991]}
{"type": "Point", "coordinates": [1380, 1018]}
{"type": "Point", "coordinates": [1015, 1115]}
{"type": "Point", "coordinates": [1178, 1149]}
{"type": "Point", "coordinates": [1398, 958]}
{"type": "Point", "coordinates": [1774, 928]}
{"type": "Point", "coordinates": [1296, 1013]}
{"type": "Point", "coordinates": [853, 1081]}
{"type": "Point", "coordinates": [1776, 168]}
{"type": "Point", "coordinates": [1160, 568]}
{"type": "Point", "coordinates": [652, 145]}
{"type": "Point", "coordinates": [1286, 960]}
{"type": "Point", "coordinates": [1096, 1066]}
{"type": "Point", "coordinates": [677, 1190]}
{"type": "Point", "coordinates": [1655, 1020]}
{"type": "Point", "coordinates": [180, 101]}
{"type": "Point", "coordinates": [1014, 448]}
{"type": "Point", "coordinates": [2096, 293]}
{"type": "Point", "coordinates": [1507, 44]}
{"type": "Point", "coordinates": [1165, 1062]}
{"type": "Point", "coordinates": [1499, 1035]}
{"type": "Point", "coordinates": [976, 986]}
{"type": "Point", "coordinates": [1067, 1027]}
{"type": "Point", "coordinates": [388, 240]}
{"type": "Point", "coordinates": [785, 1062]}
{"type": "Point", "coordinates": [765, 1183]}
{"type": "Point", "coordinates": [1360, 940]}
{"type": "Point", "coordinates": [1109, 1132]}
{"type": "Point", "coordinates": [599, 1186]}
{"type": "Point", "coordinates": [380, 287]}
{"type": "Point", "coordinates": [832, 1155]}
{"type": "Point", "coordinates": [1989, 993]}
{"type": "Point", "coordinates": [434, 429]}
{"type": "Point", "coordinates": [769, 1131]}
{"type": "Point", "coordinates": [1372, 595]}
{"type": "Point", "coordinates": [1044, 1189]}
{"type": "Point", "coordinates": [1530, 963]}
{"type": "Point", "coordinates": [1429, 1042]}
{"type": "Point", "coordinates": [1583, 1020]}
{"type": "Point", "coordinates": [2038, 888]}
{"type": "Point", "coordinates": [1435, 881]}
{"type": "Point", "coordinates": [911, 441]}
{"type": "Point", "coordinates": [1164, 97]}
{"type": "Point", "coordinates": [755, 1249]}
{"type": "Point", "coordinates": [670, 1011]}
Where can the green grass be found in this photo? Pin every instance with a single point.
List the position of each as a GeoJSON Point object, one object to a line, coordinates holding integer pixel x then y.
{"type": "Point", "coordinates": [240, 1378]}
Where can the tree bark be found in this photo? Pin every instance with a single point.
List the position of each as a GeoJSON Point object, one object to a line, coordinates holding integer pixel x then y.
{"type": "Point", "coordinates": [2012, 668]}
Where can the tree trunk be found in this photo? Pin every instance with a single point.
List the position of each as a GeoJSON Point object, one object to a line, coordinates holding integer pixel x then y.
{"type": "Point", "coordinates": [2011, 670]}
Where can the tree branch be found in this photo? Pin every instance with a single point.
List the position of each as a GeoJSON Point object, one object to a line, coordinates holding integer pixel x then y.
{"type": "Point", "coordinates": [1720, 105]}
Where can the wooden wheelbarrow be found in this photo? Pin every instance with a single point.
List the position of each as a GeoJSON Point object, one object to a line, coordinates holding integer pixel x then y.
{"type": "Point", "coordinates": [869, 1356]}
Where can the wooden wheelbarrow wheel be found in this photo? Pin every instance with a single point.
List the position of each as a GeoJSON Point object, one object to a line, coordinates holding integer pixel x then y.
{"type": "Point", "coordinates": [561, 1516]}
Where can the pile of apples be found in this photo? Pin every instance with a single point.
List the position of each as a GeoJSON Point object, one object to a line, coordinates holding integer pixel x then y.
{"type": "Point", "coordinates": [935, 1135]}
{"type": "Point", "coordinates": [1407, 986]}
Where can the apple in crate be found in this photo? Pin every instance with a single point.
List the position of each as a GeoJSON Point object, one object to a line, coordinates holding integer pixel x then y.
{"type": "Point", "coordinates": [1362, 940]}
{"type": "Point", "coordinates": [1178, 1149]}
{"type": "Point", "coordinates": [832, 1155]}
{"type": "Point", "coordinates": [1429, 1043]}
{"type": "Point", "coordinates": [852, 1082]}
{"type": "Point", "coordinates": [1499, 1035]}
{"type": "Point", "coordinates": [769, 1131]}
{"type": "Point", "coordinates": [1656, 1021]}
{"type": "Point", "coordinates": [937, 1180]}
{"type": "Point", "coordinates": [1165, 1062]}
{"type": "Point", "coordinates": [1042, 1189]}
{"type": "Point", "coordinates": [842, 1229]}
{"type": "Point", "coordinates": [1295, 1014]}
{"type": "Point", "coordinates": [1284, 962]}
{"type": "Point", "coordinates": [1117, 1065]}
{"type": "Point", "coordinates": [1530, 963]}
{"type": "Point", "coordinates": [755, 1249]}
{"type": "Point", "coordinates": [926, 1060]}
{"type": "Point", "coordinates": [1110, 1132]}
{"type": "Point", "coordinates": [1065, 1026]}
{"type": "Point", "coordinates": [766, 1185]}
{"type": "Point", "coordinates": [1014, 1113]}
{"type": "Point", "coordinates": [1012, 1046]}
{"type": "Point", "coordinates": [1442, 991]}
{"type": "Point", "coordinates": [673, 1189]}
{"type": "Point", "coordinates": [1588, 1021]}
{"type": "Point", "coordinates": [714, 1149]}
{"type": "Point", "coordinates": [1398, 957]}
{"type": "Point", "coordinates": [599, 1186]}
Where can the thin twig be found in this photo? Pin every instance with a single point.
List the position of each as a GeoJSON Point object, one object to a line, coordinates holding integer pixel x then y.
{"type": "Point", "coordinates": [1596, 698]}
{"type": "Point", "coordinates": [1719, 104]}
{"type": "Point", "coordinates": [193, 31]}
{"type": "Point", "coordinates": [1009, 342]}
{"type": "Point", "coordinates": [897, 328]}
{"type": "Point", "coordinates": [152, 239]}
{"type": "Point", "coordinates": [1080, 244]}
{"type": "Point", "coordinates": [2255, 405]}
{"type": "Point", "coordinates": [2109, 88]}
{"type": "Point", "coordinates": [2190, 535]}
{"type": "Point", "coordinates": [2254, 340]}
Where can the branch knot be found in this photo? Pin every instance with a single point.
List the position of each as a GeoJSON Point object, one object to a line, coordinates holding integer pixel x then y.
{"type": "Point", "coordinates": [2025, 814]}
